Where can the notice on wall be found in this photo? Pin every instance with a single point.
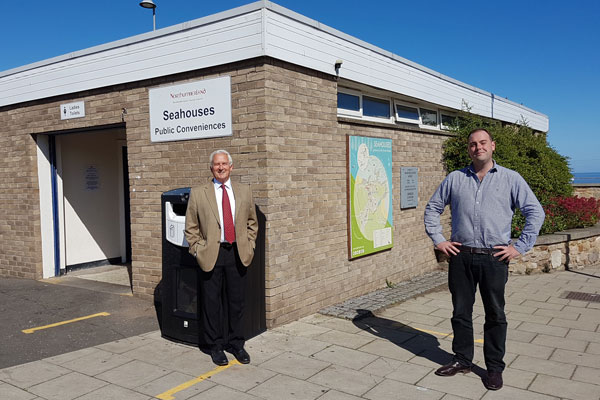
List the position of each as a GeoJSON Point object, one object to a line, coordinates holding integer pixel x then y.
{"type": "Point", "coordinates": [371, 222]}
{"type": "Point", "coordinates": [409, 187]}
{"type": "Point", "coordinates": [92, 178]}
{"type": "Point", "coordinates": [72, 110]}
{"type": "Point", "coordinates": [191, 110]}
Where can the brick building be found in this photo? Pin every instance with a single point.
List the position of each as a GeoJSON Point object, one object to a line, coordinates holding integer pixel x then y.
{"type": "Point", "coordinates": [86, 187]}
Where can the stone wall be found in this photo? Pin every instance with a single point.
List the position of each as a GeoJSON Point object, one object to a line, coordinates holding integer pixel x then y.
{"type": "Point", "coordinates": [586, 190]}
{"type": "Point", "coordinates": [572, 249]}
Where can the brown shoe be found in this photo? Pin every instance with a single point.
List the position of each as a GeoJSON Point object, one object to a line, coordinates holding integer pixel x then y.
{"type": "Point", "coordinates": [452, 369]}
{"type": "Point", "coordinates": [493, 380]}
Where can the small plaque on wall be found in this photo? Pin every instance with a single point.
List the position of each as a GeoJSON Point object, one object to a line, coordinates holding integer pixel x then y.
{"type": "Point", "coordinates": [409, 187]}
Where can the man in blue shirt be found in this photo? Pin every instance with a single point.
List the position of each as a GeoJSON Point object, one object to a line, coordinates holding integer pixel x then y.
{"type": "Point", "coordinates": [482, 199]}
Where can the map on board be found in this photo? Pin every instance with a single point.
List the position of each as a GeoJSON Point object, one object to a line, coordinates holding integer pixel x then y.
{"type": "Point", "coordinates": [370, 173]}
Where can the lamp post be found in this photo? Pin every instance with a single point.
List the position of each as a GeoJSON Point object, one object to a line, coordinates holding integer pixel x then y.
{"type": "Point", "coordinates": [150, 4]}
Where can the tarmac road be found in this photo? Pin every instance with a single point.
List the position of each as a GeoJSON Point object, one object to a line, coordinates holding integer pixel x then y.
{"type": "Point", "coordinates": [26, 304]}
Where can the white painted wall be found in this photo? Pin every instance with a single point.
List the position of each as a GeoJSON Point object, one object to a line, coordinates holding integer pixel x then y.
{"type": "Point", "coordinates": [46, 219]}
{"type": "Point", "coordinates": [91, 215]}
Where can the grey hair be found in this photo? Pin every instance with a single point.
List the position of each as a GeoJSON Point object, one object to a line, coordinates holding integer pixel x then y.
{"type": "Point", "coordinates": [212, 156]}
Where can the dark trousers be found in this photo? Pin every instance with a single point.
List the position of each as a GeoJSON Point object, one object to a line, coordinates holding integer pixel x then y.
{"type": "Point", "coordinates": [223, 293]}
{"type": "Point", "coordinates": [466, 271]}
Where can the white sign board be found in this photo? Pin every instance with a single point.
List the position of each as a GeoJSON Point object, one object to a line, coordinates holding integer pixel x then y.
{"type": "Point", "coordinates": [191, 110]}
{"type": "Point", "coordinates": [72, 110]}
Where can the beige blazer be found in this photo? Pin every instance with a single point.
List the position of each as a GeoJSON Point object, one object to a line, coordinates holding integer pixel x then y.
{"type": "Point", "coordinates": [203, 228]}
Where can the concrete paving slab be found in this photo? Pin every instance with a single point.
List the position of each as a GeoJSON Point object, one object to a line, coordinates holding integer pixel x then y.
{"type": "Point", "coordinates": [114, 392]}
{"type": "Point", "coordinates": [587, 374]}
{"type": "Point", "coordinates": [297, 344]}
{"type": "Point", "coordinates": [593, 348]}
{"type": "Point", "coordinates": [223, 393]}
{"type": "Point", "coordinates": [387, 349]}
{"type": "Point", "coordinates": [295, 365]}
{"type": "Point", "coordinates": [584, 335]}
{"type": "Point", "coordinates": [576, 358]}
{"type": "Point", "coordinates": [518, 378]}
{"type": "Point", "coordinates": [468, 385]}
{"type": "Point", "coordinates": [335, 395]}
{"type": "Point", "coordinates": [345, 357]}
{"type": "Point", "coordinates": [517, 316]}
{"type": "Point", "coordinates": [172, 380]}
{"type": "Point", "coordinates": [408, 373]}
{"type": "Point", "coordinates": [560, 343]}
{"type": "Point", "coordinates": [511, 393]}
{"type": "Point", "coordinates": [14, 393]}
{"type": "Point", "coordinates": [303, 329]}
{"type": "Point", "coordinates": [285, 387]}
{"type": "Point", "coordinates": [529, 349]}
{"type": "Point", "coordinates": [96, 362]}
{"type": "Point", "coordinates": [349, 340]}
{"type": "Point", "coordinates": [243, 377]}
{"type": "Point", "coordinates": [27, 375]}
{"type": "Point", "coordinates": [392, 390]}
{"type": "Point", "coordinates": [544, 329]}
{"type": "Point", "coordinates": [133, 374]}
{"type": "Point", "coordinates": [338, 324]}
{"type": "Point", "coordinates": [565, 388]}
{"type": "Point", "coordinates": [346, 380]}
{"type": "Point", "coordinates": [67, 387]}
{"type": "Point", "coordinates": [585, 324]}
{"type": "Point", "coordinates": [548, 367]}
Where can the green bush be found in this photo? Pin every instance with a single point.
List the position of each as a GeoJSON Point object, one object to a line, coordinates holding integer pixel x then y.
{"type": "Point", "coordinates": [519, 148]}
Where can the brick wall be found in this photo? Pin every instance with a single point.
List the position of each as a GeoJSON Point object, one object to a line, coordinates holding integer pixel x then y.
{"type": "Point", "coordinates": [288, 143]}
{"type": "Point", "coordinates": [307, 254]}
{"type": "Point", "coordinates": [153, 167]}
{"type": "Point", "coordinates": [587, 191]}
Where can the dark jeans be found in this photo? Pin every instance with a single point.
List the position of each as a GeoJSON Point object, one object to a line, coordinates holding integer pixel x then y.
{"type": "Point", "coordinates": [466, 271]}
{"type": "Point", "coordinates": [228, 278]}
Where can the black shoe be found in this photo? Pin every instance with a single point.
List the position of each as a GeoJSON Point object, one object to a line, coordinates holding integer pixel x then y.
{"type": "Point", "coordinates": [218, 357]}
{"type": "Point", "coordinates": [493, 380]}
{"type": "Point", "coordinates": [452, 369]}
{"type": "Point", "coordinates": [241, 355]}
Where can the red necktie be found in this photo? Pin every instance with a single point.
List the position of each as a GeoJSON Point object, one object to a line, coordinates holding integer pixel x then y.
{"type": "Point", "coordinates": [227, 217]}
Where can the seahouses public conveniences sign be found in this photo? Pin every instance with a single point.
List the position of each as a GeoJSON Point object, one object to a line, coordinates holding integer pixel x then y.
{"type": "Point", "coordinates": [191, 110]}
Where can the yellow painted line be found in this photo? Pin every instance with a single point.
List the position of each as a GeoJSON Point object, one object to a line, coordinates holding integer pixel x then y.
{"type": "Point", "coordinates": [39, 328]}
{"type": "Point", "coordinates": [168, 395]}
{"type": "Point", "coordinates": [443, 334]}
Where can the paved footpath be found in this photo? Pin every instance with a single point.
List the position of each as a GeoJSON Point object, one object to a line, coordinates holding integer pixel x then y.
{"type": "Point", "coordinates": [553, 352]}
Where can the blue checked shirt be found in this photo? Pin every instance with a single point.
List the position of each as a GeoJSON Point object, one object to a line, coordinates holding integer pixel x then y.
{"type": "Point", "coordinates": [482, 210]}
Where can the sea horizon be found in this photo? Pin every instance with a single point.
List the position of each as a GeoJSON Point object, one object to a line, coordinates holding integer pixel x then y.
{"type": "Point", "coordinates": [586, 177]}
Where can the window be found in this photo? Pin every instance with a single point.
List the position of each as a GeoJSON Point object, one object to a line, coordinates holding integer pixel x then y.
{"type": "Point", "coordinates": [429, 117]}
{"type": "Point", "coordinates": [377, 108]}
{"type": "Point", "coordinates": [447, 120]}
{"type": "Point", "coordinates": [405, 113]}
{"type": "Point", "coordinates": [348, 102]}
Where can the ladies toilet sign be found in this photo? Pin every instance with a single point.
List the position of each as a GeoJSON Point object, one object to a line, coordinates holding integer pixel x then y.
{"type": "Point", "coordinates": [191, 110]}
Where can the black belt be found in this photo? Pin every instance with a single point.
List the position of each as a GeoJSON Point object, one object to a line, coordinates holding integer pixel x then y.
{"type": "Point", "coordinates": [227, 245]}
{"type": "Point", "coordinates": [478, 250]}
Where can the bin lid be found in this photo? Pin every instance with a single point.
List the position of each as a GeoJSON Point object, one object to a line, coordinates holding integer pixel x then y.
{"type": "Point", "coordinates": [177, 196]}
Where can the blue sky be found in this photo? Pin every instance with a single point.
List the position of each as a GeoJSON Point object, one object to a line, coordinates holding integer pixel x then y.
{"type": "Point", "coordinates": [543, 54]}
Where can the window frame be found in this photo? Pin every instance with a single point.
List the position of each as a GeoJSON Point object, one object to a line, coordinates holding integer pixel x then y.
{"type": "Point", "coordinates": [447, 114]}
{"type": "Point", "coordinates": [345, 111]}
{"type": "Point", "coordinates": [390, 119]}
{"type": "Point", "coordinates": [407, 120]}
{"type": "Point", "coordinates": [437, 117]}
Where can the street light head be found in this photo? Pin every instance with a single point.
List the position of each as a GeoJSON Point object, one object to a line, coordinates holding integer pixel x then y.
{"type": "Point", "coordinates": [148, 4]}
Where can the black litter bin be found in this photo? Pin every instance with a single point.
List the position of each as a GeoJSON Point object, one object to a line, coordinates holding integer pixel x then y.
{"type": "Point", "coordinates": [180, 319]}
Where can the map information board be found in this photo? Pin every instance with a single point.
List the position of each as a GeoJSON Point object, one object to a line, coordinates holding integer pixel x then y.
{"type": "Point", "coordinates": [370, 220]}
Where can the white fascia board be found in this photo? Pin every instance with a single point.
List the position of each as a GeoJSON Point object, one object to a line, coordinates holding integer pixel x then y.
{"type": "Point", "coordinates": [300, 40]}
{"type": "Point", "coordinates": [257, 29]}
{"type": "Point", "coordinates": [226, 37]}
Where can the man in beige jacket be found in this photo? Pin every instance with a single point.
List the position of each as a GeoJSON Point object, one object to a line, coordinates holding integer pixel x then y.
{"type": "Point", "coordinates": [221, 229]}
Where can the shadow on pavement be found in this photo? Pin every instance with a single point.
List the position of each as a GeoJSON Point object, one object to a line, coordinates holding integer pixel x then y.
{"type": "Point", "coordinates": [419, 343]}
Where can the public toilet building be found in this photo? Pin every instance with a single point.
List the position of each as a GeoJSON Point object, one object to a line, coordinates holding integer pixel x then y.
{"type": "Point", "coordinates": [91, 140]}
